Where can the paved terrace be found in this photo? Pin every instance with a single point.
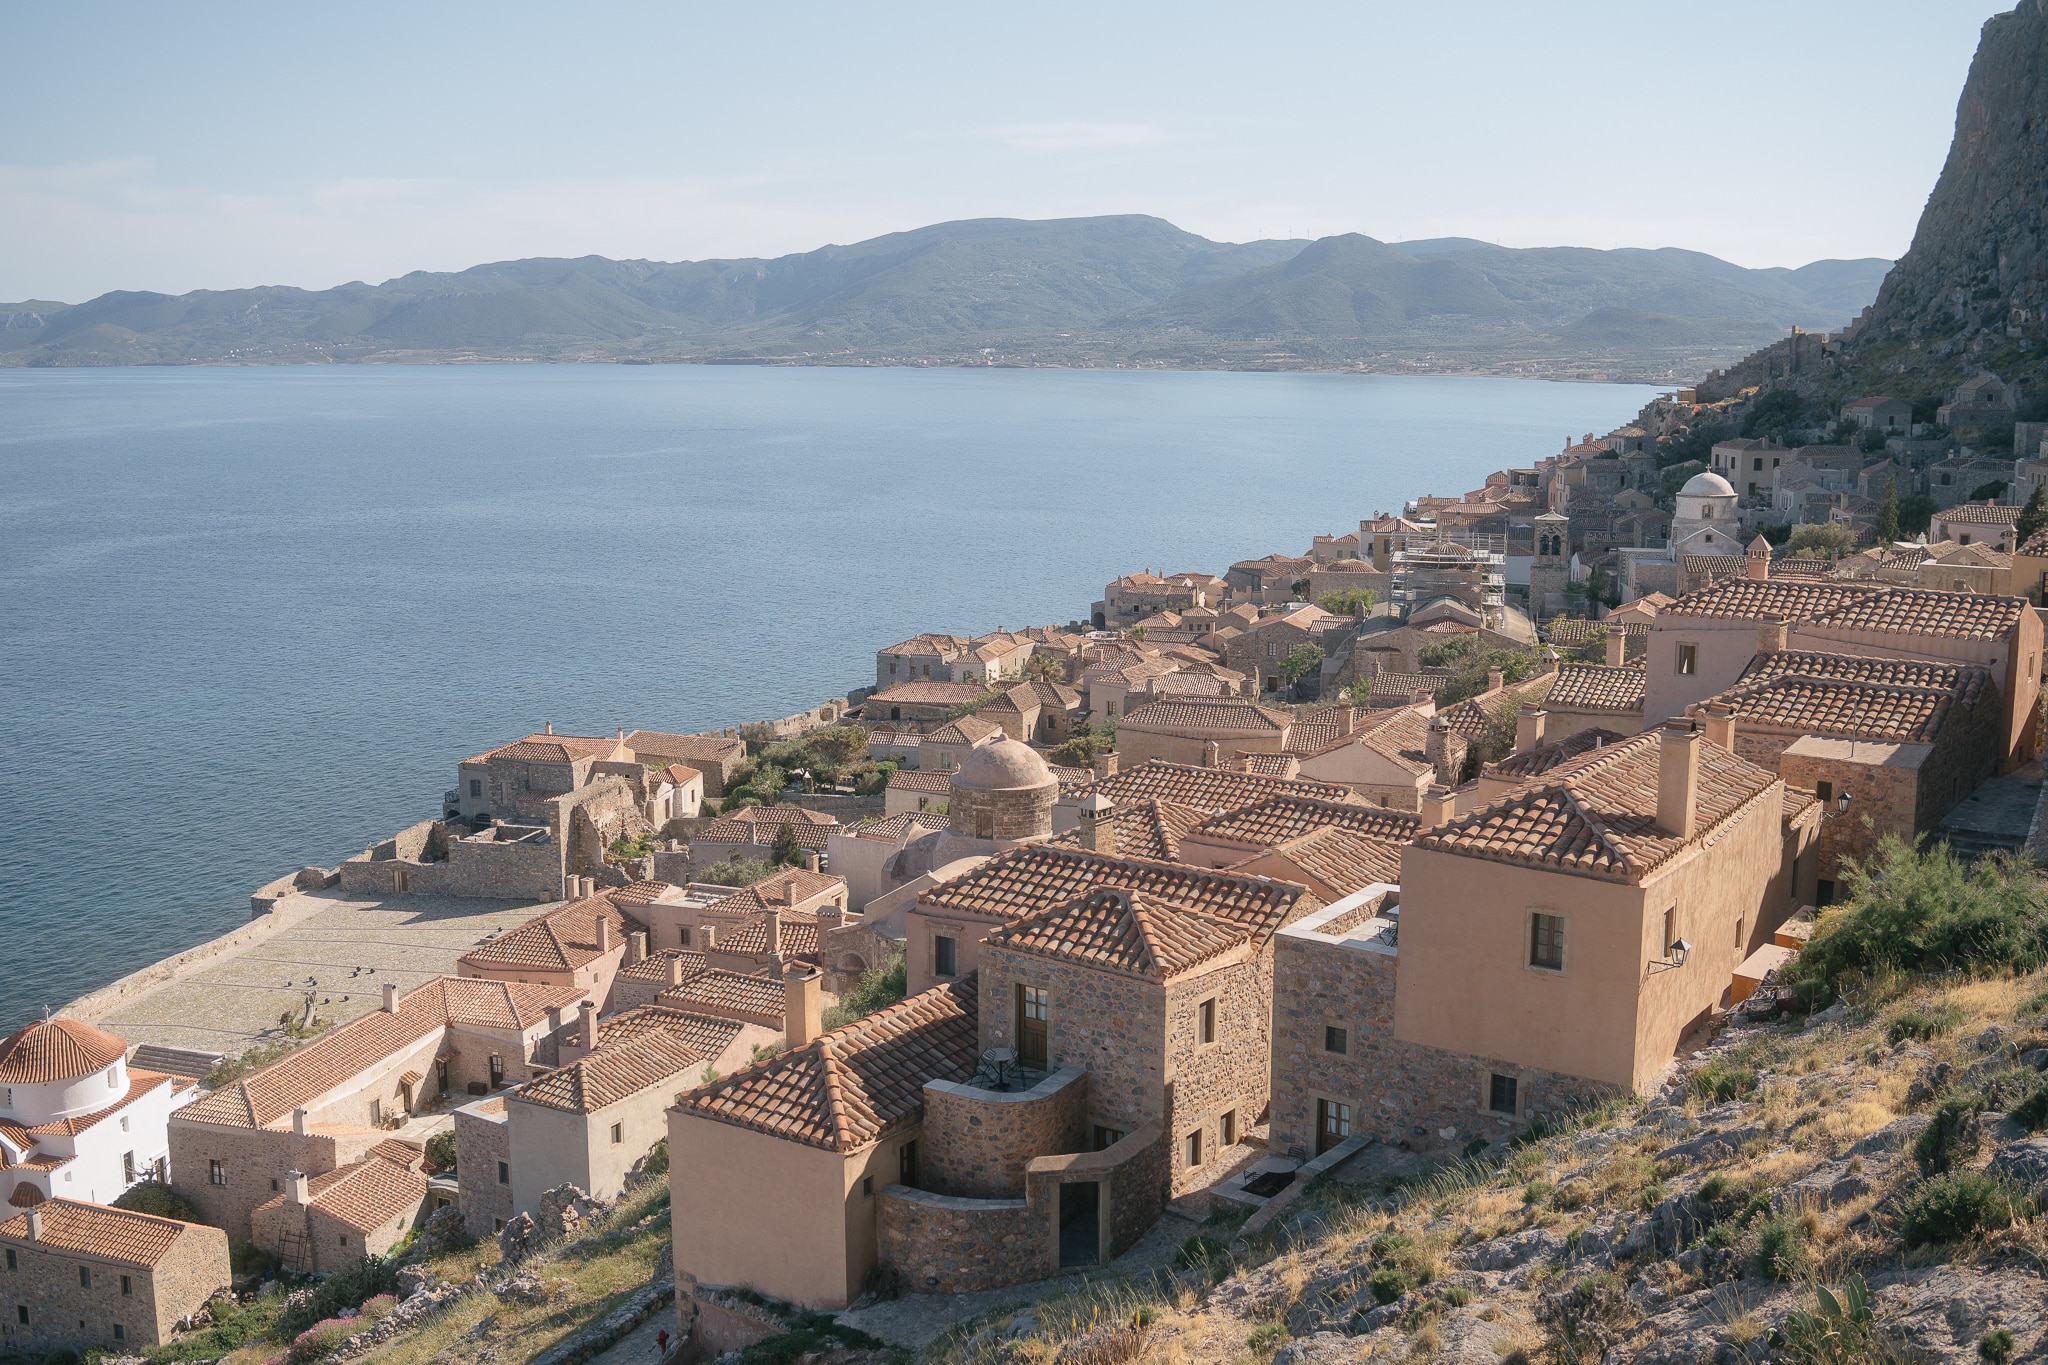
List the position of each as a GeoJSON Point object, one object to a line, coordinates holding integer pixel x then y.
{"type": "Point", "coordinates": [341, 950]}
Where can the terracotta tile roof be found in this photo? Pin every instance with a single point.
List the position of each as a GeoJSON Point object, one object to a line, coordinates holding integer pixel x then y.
{"type": "Point", "coordinates": [563, 939]}
{"type": "Point", "coordinates": [1235, 717]}
{"type": "Point", "coordinates": [1343, 859]}
{"type": "Point", "coordinates": [729, 994]}
{"type": "Point", "coordinates": [1716, 566]}
{"type": "Point", "coordinates": [639, 893]}
{"type": "Point", "coordinates": [1117, 930]}
{"type": "Point", "coordinates": [614, 1072]}
{"type": "Point", "coordinates": [855, 1084]}
{"type": "Point", "coordinates": [926, 694]}
{"type": "Point", "coordinates": [57, 1049]}
{"type": "Point", "coordinates": [910, 825]}
{"type": "Point", "coordinates": [1277, 819]}
{"type": "Point", "coordinates": [1917, 611]}
{"type": "Point", "coordinates": [2037, 545]}
{"type": "Point", "coordinates": [365, 1196]}
{"type": "Point", "coordinates": [756, 834]}
{"type": "Point", "coordinates": [1893, 700]}
{"type": "Point", "coordinates": [920, 781]}
{"type": "Point", "coordinates": [1144, 829]}
{"type": "Point", "coordinates": [966, 730]}
{"type": "Point", "coordinates": [1805, 663]}
{"type": "Point", "coordinates": [1754, 599]}
{"type": "Point", "coordinates": [1541, 759]}
{"type": "Point", "coordinates": [398, 1149]}
{"type": "Point", "coordinates": [1798, 566]}
{"type": "Point", "coordinates": [1025, 880]}
{"type": "Point", "coordinates": [1979, 514]}
{"type": "Point", "coordinates": [677, 773]}
{"type": "Point", "coordinates": [271, 1093]}
{"type": "Point", "coordinates": [140, 1083]}
{"type": "Point", "coordinates": [1799, 802]}
{"type": "Point", "coordinates": [1471, 716]}
{"type": "Point", "coordinates": [1330, 726]}
{"type": "Point", "coordinates": [654, 967]}
{"type": "Point", "coordinates": [712, 748]}
{"type": "Point", "coordinates": [1408, 685]}
{"type": "Point", "coordinates": [550, 749]}
{"type": "Point", "coordinates": [782, 890]}
{"type": "Point", "coordinates": [778, 816]}
{"type": "Point", "coordinates": [1209, 789]}
{"type": "Point", "coordinates": [1182, 683]}
{"type": "Point", "coordinates": [704, 1033]}
{"type": "Point", "coordinates": [99, 1231]}
{"type": "Point", "coordinates": [797, 938]}
{"type": "Point", "coordinates": [1596, 815]}
{"type": "Point", "coordinates": [1055, 694]}
{"type": "Point", "coordinates": [931, 642]}
{"type": "Point", "coordinates": [1269, 765]}
{"type": "Point", "coordinates": [1596, 687]}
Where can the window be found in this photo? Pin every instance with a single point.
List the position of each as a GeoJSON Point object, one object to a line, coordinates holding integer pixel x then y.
{"type": "Point", "coordinates": [618, 1133]}
{"type": "Point", "coordinates": [1757, 464]}
{"type": "Point", "coordinates": [476, 786]}
{"type": "Point", "coordinates": [497, 1069]}
{"type": "Point", "coordinates": [21, 1314]}
{"type": "Point", "coordinates": [1824, 892]}
{"type": "Point", "coordinates": [1738, 935]}
{"type": "Point", "coordinates": [1333, 1124]}
{"type": "Point", "coordinates": [682, 936]}
{"type": "Point", "coordinates": [1502, 1093]}
{"type": "Point", "coordinates": [85, 1277]}
{"type": "Point", "coordinates": [342, 1238]}
{"type": "Point", "coordinates": [1194, 1146]}
{"type": "Point", "coordinates": [124, 1123]}
{"type": "Point", "coordinates": [504, 1173]}
{"type": "Point", "coordinates": [1205, 1022]}
{"type": "Point", "coordinates": [1825, 791]}
{"type": "Point", "coordinates": [1226, 1129]}
{"type": "Point", "coordinates": [217, 1172]}
{"type": "Point", "coordinates": [128, 1167]}
{"type": "Point", "coordinates": [945, 955]}
{"type": "Point", "coordinates": [10, 1260]}
{"type": "Point", "coordinates": [1546, 942]}
{"type": "Point", "coordinates": [984, 824]}
{"type": "Point", "coordinates": [1105, 1138]}
{"type": "Point", "coordinates": [114, 1076]}
{"type": "Point", "coordinates": [1670, 928]}
{"type": "Point", "coordinates": [867, 1187]}
{"type": "Point", "coordinates": [497, 1225]}
{"type": "Point", "coordinates": [118, 1335]}
{"type": "Point", "coordinates": [376, 1112]}
{"type": "Point", "coordinates": [1688, 660]}
{"type": "Point", "coordinates": [906, 1164]}
{"type": "Point", "coordinates": [1336, 1041]}
{"type": "Point", "coordinates": [1034, 1016]}
{"type": "Point", "coordinates": [127, 1288]}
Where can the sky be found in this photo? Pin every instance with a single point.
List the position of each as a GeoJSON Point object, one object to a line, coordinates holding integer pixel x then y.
{"type": "Point", "coordinates": [178, 147]}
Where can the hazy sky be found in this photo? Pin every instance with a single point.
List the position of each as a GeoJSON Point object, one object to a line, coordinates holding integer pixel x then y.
{"type": "Point", "coordinates": [181, 146]}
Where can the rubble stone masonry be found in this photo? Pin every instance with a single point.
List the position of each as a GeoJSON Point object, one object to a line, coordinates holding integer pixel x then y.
{"type": "Point", "coordinates": [64, 1313]}
{"type": "Point", "coordinates": [977, 1142]}
{"type": "Point", "coordinates": [482, 1140]}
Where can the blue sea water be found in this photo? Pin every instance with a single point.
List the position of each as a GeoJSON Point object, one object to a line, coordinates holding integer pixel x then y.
{"type": "Point", "coordinates": [251, 618]}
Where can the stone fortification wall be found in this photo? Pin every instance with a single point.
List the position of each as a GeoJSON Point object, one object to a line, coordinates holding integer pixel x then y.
{"type": "Point", "coordinates": [265, 898]}
{"type": "Point", "coordinates": [97, 1004]}
{"type": "Point", "coordinates": [943, 1244]}
{"type": "Point", "coordinates": [492, 864]}
{"type": "Point", "coordinates": [762, 732]}
{"type": "Point", "coordinates": [978, 1142]}
{"type": "Point", "coordinates": [586, 821]}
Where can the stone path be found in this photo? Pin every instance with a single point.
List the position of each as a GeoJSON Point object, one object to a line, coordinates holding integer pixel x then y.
{"type": "Point", "coordinates": [916, 1320]}
{"type": "Point", "coordinates": [342, 950]}
{"type": "Point", "coordinates": [637, 1346]}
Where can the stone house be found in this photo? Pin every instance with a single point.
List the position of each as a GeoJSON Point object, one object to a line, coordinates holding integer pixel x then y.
{"type": "Point", "coordinates": [80, 1276]}
{"type": "Point", "coordinates": [513, 782]}
{"type": "Point", "coordinates": [753, 831]}
{"type": "Point", "coordinates": [1138, 595]}
{"type": "Point", "coordinates": [910, 792]}
{"type": "Point", "coordinates": [932, 702]}
{"type": "Point", "coordinates": [1893, 416]}
{"type": "Point", "coordinates": [643, 982]}
{"type": "Point", "coordinates": [715, 757]}
{"type": "Point", "coordinates": [1200, 732]}
{"type": "Point", "coordinates": [1208, 790]}
{"type": "Point", "coordinates": [1143, 829]}
{"type": "Point", "coordinates": [76, 1120]}
{"type": "Point", "coordinates": [1389, 757]}
{"type": "Point", "coordinates": [1229, 838]}
{"type": "Point", "coordinates": [993, 657]}
{"type": "Point", "coordinates": [319, 1224]}
{"type": "Point", "coordinates": [1268, 579]}
{"type": "Point", "coordinates": [942, 749]}
{"type": "Point", "coordinates": [577, 946]}
{"type": "Point", "coordinates": [1746, 461]}
{"type": "Point", "coordinates": [325, 1104]}
{"type": "Point", "coordinates": [1885, 476]}
{"type": "Point", "coordinates": [1034, 712]}
{"type": "Point", "coordinates": [1347, 575]}
{"type": "Point", "coordinates": [1259, 649]}
{"type": "Point", "coordinates": [1953, 480]}
{"type": "Point", "coordinates": [929, 657]}
{"type": "Point", "coordinates": [1976, 523]}
{"type": "Point", "coordinates": [1983, 400]}
{"type": "Point", "coordinates": [1901, 740]}
{"type": "Point", "coordinates": [483, 1165]}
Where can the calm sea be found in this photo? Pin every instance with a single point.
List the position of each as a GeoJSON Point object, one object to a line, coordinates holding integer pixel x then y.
{"type": "Point", "coordinates": [250, 618]}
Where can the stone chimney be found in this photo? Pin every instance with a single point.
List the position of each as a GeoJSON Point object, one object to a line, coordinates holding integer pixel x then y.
{"type": "Point", "coordinates": [802, 1006]}
{"type": "Point", "coordinates": [295, 1187]}
{"type": "Point", "coordinates": [1098, 824]}
{"type": "Point", "coordinates": [675, 971]}
{"type": "Point", "coordinates": [547, 727]}
{"type": "Point", "coordinates": [1494, 679]}
{"type": "Point", "coordinates": [390, 998]}
{"type": "Point", "coordinates": [1437, 747]}
{"type": "Point", "coordinates": [571, 885]}
{"type": "Point", "coordinates": [810, 862]}
{"type": "Point", "coordinates": [1678, 778]}
{"type": "Point", "coordinates": [300, 1126]}
{"type": "Point", "coordinates": [1212, 754]}
{"type": "Point", "coordinates": [588, 1026]}
{"type": "Point", "coordinates": [1105, 765]}
{"type": "Point", "coordinates": [604, 934]}
{"type": "Point", "coordinates": [830, 916]}
{"type": "Point", "coordinates": [1617, 646]}
{"type": "Point", "coordinates": [35, 1224]}
{"type": "Point", "coordinates": [773, 926]}
{"type": "Point", "coordinates": [709, 933]}
{"type": "Point", "coordinates": [620, 734]}
{"type": "Point", "coordinates": [1771, 635]}
{"type": "Point", "coordinates": [1759, 554]}
{"type": "Point", "coordinates": [1347, 720]}
{"type": "Point", "coordinates": [636, 949]}
{"type": "Point", "coordinates": [1438, 805]}
{"type": "Point", "coordinates": [1720, 725]}
{"type": "Point", "coordinates": [1529, 723]}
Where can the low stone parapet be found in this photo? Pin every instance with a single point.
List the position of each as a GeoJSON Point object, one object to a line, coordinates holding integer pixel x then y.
{"type": "Point", "coordinates": [977, 1142]}
{"type": "Point", "coordinates": [945, 1244]}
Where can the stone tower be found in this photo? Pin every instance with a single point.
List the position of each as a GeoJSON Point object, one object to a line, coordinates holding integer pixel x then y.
{"type": "Point", "coordinates": [1550, 572]}
{"type": "Point", "coordinates": [1002, 791]}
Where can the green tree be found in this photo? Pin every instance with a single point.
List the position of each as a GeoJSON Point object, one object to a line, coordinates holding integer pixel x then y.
{"type": "Point", "coordinates": [1916, 511]}
{"type": "Point", "coordinates": [1888, 514]}
{"type": "Point", "coordinates": [1822, 540]}
{"type": "Point", "coordinates": [2033, 517]}
{"type": "Point", "coordinates": [1046, 668]}
{"type": "Point", "coordinates": [1472, 662]}
{"type": "Point", "coordinates": [1302, 660]}
{"type": "Point", "coordinates": [734, 872]}
{"type": "Point", "coordinates": [786, 850]}
{"type": "Point", "coordinates": [1873, 441]}
{"type": "Point", "coordinates": [1300, 587]}
{"type": "Point", "coordinates": [1345, 602]}
{"type": "Point", "coordinates": [1987, 490]}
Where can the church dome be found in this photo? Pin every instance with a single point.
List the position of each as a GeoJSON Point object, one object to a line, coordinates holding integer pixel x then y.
{"type": "Point", "coordinates": [57, 1050]}
{"type": "Point", "coordinates": [1005, 765]}
{"type": "Point", "coordinates": [1706, 484]}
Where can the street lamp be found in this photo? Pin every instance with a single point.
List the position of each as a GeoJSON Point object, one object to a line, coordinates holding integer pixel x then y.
{"type": "Point", "coordinates": [1842, 803]}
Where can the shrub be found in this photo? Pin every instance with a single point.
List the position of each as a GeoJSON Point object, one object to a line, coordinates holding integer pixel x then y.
{"type": "Point", "coordinates": [735, 872]}
{"type": "Point", "coordinates": [1937, 1146]}
{"type": "Point", "coordinates": [1914, 1025]}
{"type": "Point", "coordinates": [1720, 1081]}
{"type": "Point", "coordinates": [61, 1357]}
{"type": "Point", "coordinates": [154, 1197]}
{"type": "Point", "coordinates": [1388, 1284]}
{"type": "Point", "coordinates": [380, 1307]}
{"type": "Point", "coordinates": [441, 1151]}
{"type": "Point", "coordinates": [1573, 1194]}
{"type": "Point", "coordinates": [1536, 1191]}
{"type": "Point", "coordinates": [347, 1287]}
{"type": "Point", "coordinates": [1266, 1338]}
{"type": "Point", "coordinates": [1842, 1331]}
{"type": "Point", "coordinates": [1781, 1249]}
{"type": "Point", "coordinates": [877, 987]}
{"type": "Point", "coordinates": [2033, 1110]}
{"type": "Point", "coordinates": [321, 1339]}
{"type": "Point", "coordinates": [1457, 1296]}
{"type": "Point", "coordinates": [656, 1162]}
{"type": "Point", "coordinates": [1948, 1208]}
{"type": "Point", "coordinates": [1996, 1346]}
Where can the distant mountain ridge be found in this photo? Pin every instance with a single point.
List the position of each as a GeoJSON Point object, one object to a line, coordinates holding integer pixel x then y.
{"type": "Point", "coordinates": [1109, 290]}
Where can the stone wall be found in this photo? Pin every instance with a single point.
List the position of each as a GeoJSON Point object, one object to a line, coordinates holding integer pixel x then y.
{"type": "Point", "coordinates": [1227, 1076]}
{"type": "Point", "coordinates": [254, 1162]}
{"type": "Point", "coordinates": [943, 1244]}
{"type": "Point", "coordinates": [586, 821]}
{"type": "Point", "coordinates": [46, 1282]}
{"type": "Point", "coordinates": [481, 1142]}
{"type": "Point", "coordinates": [1409, 1095]}
{"type": "Point", "coordinates": [1021, 814]}
{"type": "Point", "coordinates": [1110, 1025]}
{"type": "Point", "coordinates": [499, 863]}
{"type": "Point", "coordinates": [977, 1142]}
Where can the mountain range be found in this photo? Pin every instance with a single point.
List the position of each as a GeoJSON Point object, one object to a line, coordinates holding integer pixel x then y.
{"type": "Point", "coordinates": [1122, 290]}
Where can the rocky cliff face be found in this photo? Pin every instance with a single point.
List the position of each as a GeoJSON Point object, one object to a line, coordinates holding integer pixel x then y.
{"type": "Point", "coordinates": [1979, 260]}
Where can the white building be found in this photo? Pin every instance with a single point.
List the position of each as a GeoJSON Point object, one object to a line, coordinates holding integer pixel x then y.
{"type": "Point", "coordinates": [1706, 522]}
{"type": "Point", "coordinates": [76, 1121]}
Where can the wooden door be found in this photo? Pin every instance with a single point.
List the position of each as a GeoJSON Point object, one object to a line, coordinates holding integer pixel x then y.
{"type": "Point", "coordinates": [1034, 1011]}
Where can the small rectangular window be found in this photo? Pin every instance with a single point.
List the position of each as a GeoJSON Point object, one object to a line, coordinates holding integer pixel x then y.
{"type": "Point", "coordinates": [216, 1173]}
{"type": "Point", "coordinates": [1688, 659]}
{"type": "Point", "coordinates": [1205, 1021]}
{"type": "Point", "coordinates": [85, 1277]}
{"type": "Point", "coordinates": [1336, 1040]}
{"type": "Point", "coordinates": [618, 1133]}
{"type": "Point", "coordinates": [119, 1335]}
{"type": "Point", "coordinates": [1226, 1129]}
{"type": "Point", "coordinates": [906, 1164]}
{"type": "Point", "coordinates": [504, 1173]}
{"type": "Point", "coordinates": [127, 1288]}
{"type": "Point", "coordinates": [1106, 1138]}
{"type": "Point", "coordinates": [867, 1187]}
{"type": "Point", "coordinates": [476, 786]}
{"type": "Point", "coordinates": [10, 1259]}
{"type": "Point", "coordinates": [21, 1314]}
{"type": "Point", "coordinates": [1670, 928]}
{"type": "Point", "coordinates": [1546, 942]}
{"type": "Point", "coordinates": [1501, 1093]}
{"type": "Point", "coordinates": [682, 936]}
{"type": "Point", "coordinates": [1194, 1149]}
{"type": "Point", "coordinates": [1824, 790]}
{"type": "Point", "coordinates": [945, 955]}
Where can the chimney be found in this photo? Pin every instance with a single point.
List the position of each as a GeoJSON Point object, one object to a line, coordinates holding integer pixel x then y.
{"type": "Point", "coordinates": [1529, 727]}
{"type": "Point", "coordinates": [588, 1025]}
{"type": "Point", "coordinates": [1437, 747]}
{"type": "Point", "coordinates": [1678, 778]}
{"type": "Point", "coordinates": [296, 1189]}
{"type": "Point", "coordinates": [1771, 635]}
{"type": "Point", "coordinates": [35, 1224]}
{"type": "Point", "coordinates": [675, 970]}
{"type": "Point", "coordinates": [1720, 725]}
{"type": "Point", "coordinates": [1438, 805]}
{"type": "Point", "coordinates": [620, 734]}
{"type": "Point", "coordinates": [1098, 824]}
{"type": "Point", "coordinates": [636, 949]}
{"type": "Point", "coordinates": [1617, 646]}
{"type": "Point", "coordinates": [810, 862]}
{"type": "Point", "coordinates": [1494, 679]}
{"type": "Point", "coordinates": [604, 934]}
{"type": "Point", "coordinates": [802, 1006]}
{"type": "Point", "coordinates": [1759, 553]}
{"type": "Point", "coordinates": [589, 887]}
{"type": "Point", "coordinates": [547, 727]}
{"type": "Point", "coordinates": [1212, 754]}
{"type": "Point", "coordinates": [830, 916]}
{"type": "Point", "coordinates": [1347, 720]}
{"type": "Point", "coordinates": [773, 925]}
{"type": "Point", "coordinates": [1105, 765]}
{"type": "Point", "coordinates": [300, 1126]}
{"type": "Point", "coordinates": [709, 933]}
{"type": "Point", "coordinates": [390, 997]}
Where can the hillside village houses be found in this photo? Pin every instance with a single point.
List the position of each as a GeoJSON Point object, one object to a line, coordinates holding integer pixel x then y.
{"type": "Point", "coordinates": [1250, 921]}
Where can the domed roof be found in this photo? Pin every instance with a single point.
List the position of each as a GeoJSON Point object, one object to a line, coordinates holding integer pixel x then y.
{"type": "Point", "coordinates": [1005, 765]}
{"type": "Point", "coordinates": [57, 1050]}
{"type": "Point", "coordinates": [1706, 484]}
